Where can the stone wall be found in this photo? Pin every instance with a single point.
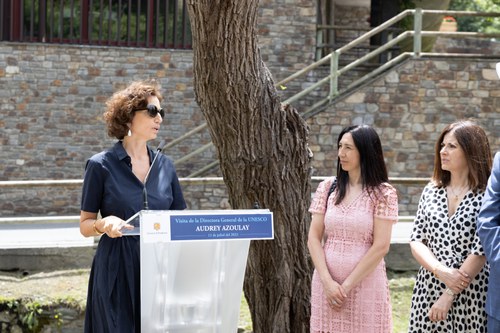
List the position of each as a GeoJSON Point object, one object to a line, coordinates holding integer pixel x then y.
{"type": "Point", "coordinates": [409, 106]}
{"type": "Point", "coordinates": [52, 98]}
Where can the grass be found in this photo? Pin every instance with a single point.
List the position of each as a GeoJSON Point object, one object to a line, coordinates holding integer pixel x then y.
{"type": "Point", "coordinates": [401, 287]}
{"type": "Point", "coordinates": [245, 318]}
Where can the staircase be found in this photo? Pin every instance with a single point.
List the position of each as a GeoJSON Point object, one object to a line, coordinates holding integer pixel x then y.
{"type": "Point", "coordinates": [331, 78]}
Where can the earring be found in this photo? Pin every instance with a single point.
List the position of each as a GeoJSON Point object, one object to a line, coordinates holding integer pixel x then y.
{"type": "Point", "coordinates": [129, 132]}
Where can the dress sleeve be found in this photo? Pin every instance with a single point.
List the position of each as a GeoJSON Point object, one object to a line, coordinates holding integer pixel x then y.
{"type": "Point", "coordinates": [488, 222]}
{"type": "Point", "coordinates": [178, 203]}
{"type": "Point", "coordinates": [476, 247]}
{"type": "Point", "coordinates": [93, 186]}
{"type": "Point", "coordinates": [387, 206]}
{"type": "Point", "coordinates": [419, 226]}
{"type": "Point", "coordinates": [318, 204]}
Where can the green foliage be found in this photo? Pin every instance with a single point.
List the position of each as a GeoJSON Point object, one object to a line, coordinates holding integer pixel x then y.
{"type": "Point", "coordinates": [407, 22]}
{"type": "Point", "coordinates": [477, 24]}
{"type": "Point", "coordinates": [32, 316]}
{"type": "Point", "coordinates": [401, 288]}
{"type": "Point", "coordinates": [465, 23]}
{"type": "Point", "coordinates": [245, 321]}
{"type": "Point", "coordinates": [28, 314]}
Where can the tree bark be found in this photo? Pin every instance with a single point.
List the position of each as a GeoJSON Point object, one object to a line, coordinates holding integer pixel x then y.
{"type": "Point", "coordinates": [263, 154]}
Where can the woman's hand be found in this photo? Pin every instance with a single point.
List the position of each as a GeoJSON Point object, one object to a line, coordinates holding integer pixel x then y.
{"type": "Point", "coordinates": [111, 226]}
{"type": "Point", "coordinates": [455, 279]}
{"type": "Point", "coordinates": [335, 294]}
{"type": "Point", "coordinates": [439, 311]}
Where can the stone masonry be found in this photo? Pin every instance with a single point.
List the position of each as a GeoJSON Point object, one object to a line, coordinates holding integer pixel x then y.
{"type": "Point", "coordinates": [52, 97]}
{"type": "Point", "coordinates": [409, 106]}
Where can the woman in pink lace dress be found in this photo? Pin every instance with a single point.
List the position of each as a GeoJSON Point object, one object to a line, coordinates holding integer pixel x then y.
{"type": "Point", "coordinates": [349, 236]}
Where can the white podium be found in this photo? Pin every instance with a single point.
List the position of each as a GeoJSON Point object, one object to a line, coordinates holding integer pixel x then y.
{"type": "Point", "coordinates": [193, 266]}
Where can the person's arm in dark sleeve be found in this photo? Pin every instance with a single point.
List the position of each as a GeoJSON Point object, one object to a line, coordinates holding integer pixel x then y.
{"type": "Point", "coordinates": [488, 222]}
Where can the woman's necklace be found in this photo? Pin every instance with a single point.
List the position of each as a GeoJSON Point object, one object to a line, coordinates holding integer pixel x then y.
{"type": "Point", "coordinates": [460, 192]}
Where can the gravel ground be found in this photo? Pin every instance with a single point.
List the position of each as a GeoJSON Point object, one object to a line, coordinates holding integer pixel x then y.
{"type": "Point", "coordinates": [48, 286]}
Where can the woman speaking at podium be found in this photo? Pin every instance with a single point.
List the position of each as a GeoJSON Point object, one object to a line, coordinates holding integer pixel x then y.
{"type": "Point", "coordinates": [114, 186]}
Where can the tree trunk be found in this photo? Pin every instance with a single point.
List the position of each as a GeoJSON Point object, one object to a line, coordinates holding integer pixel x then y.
{"type": "Point", "coordinates": [263, 154]}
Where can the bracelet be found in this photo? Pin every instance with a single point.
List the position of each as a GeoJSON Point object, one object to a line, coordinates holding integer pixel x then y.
{"type": "Point", "coordinates": [95, 228]}
{"type": "Point", "coordinates": [434, 271]}
{"type": "Point", "coordinates": [449, 292]}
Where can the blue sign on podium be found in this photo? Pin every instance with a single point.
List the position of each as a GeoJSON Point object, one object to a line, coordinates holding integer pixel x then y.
{"type": "Point", "coordinates": [221, 226]}
{"type": "Point", "coordinates": [169, 226]}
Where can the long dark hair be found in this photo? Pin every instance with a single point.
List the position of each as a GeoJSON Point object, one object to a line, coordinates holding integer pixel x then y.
{"type": "Point", "coordinates": [371, 159]}
{"type": "Point", "coordinates": [474, 142]}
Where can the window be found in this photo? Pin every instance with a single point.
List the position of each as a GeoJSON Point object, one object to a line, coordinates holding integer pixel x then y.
{"type": "Point", "coordinates": [131, 23]}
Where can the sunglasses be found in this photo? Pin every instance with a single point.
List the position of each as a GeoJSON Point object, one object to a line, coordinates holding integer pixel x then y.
{"type": "Point", "coordinates": [153, 111]}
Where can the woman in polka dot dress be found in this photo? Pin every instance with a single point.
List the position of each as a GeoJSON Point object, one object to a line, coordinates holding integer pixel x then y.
{"type": "Point", "coordinates": [450, 288]}
{"type": "Point", "coordinates": [350, 291]}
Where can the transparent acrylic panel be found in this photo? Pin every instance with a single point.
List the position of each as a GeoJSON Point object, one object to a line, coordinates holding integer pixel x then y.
{"type": "Point", "coordinates": [192, 286]}
{"type": "Point", "coordinates": [135, 221]}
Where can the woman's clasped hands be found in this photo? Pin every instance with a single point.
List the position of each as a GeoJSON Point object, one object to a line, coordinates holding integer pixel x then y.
{"type": "Point", "coordinates": [335, 294]}
{"type": "Point", "coordinates": [439, 310]}
{"type": "Point", "coordinates": [455, 279]}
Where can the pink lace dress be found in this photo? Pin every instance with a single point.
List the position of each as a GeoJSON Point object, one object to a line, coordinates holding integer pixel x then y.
{"type": "Point", "coordinates": [349, 235]}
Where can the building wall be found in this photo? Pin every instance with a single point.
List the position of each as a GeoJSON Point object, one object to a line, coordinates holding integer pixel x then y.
{"type": "Point", "coordinates": [52, 98]}
{"type": "Point", "coordinates": [409, 106]}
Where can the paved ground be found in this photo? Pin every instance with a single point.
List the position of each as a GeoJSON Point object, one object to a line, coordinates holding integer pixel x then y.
{"type": "Point", "coordinates": [67, 234]}
{"type": "Point", "coordinates": [22, 234]}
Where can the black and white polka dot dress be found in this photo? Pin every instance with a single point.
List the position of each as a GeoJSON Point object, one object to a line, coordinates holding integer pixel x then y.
{"type": "Point", "coordinates": [452, 240]}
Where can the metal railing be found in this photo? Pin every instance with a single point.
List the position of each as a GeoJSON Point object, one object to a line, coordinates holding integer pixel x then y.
{"type": "Point", "coordinates": [336, 72]}
{"type": "Point", "coordinates": [405, 181]}
{"type": "Point", "coordinates": [146, 23]}
{"type": "Point", "coordinates": [417, 33]}
{"type": "Point", "coordinates": [47, 223]}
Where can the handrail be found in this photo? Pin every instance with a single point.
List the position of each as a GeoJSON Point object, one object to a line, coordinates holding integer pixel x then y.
{"type": "Point", "coordinates": [51, 219]}
{"type": "Point", "coordinates": [46, 182]}
{"type": "Point", "coordinates": [39, 219]}
{"type": "Point", "coordinates": [79, 182]}
{"type": "Point", "coordinates": [185, 136]}
{"type": "Point", "coordinates": [71, 222]}
{"type": "Point", "coordinates": [202, 170]}
{"type": "Point", "coordinates": [346, 47]}
{"type": "Point", "coordinates": [335, 72]}
{"type": "Point", "coordinates": [417, 33]}
{"type": "Point", "coordinates": [193, 153]}
{"type": "Point", "coordinates": [184, 181]}
{"type": "Point", "coordinates": [76, 219]}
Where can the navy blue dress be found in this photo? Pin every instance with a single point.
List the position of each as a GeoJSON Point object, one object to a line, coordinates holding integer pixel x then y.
{"type": "Point", "coordinates": [109, 186]}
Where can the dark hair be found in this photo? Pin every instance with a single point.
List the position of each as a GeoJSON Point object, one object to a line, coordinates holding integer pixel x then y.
{"type": "Point", "coordinates": [371, 159]}
{"type": "Point", "coordinates": [474, 142]}
{"type": "Point", "coordinates": [120, 107]}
